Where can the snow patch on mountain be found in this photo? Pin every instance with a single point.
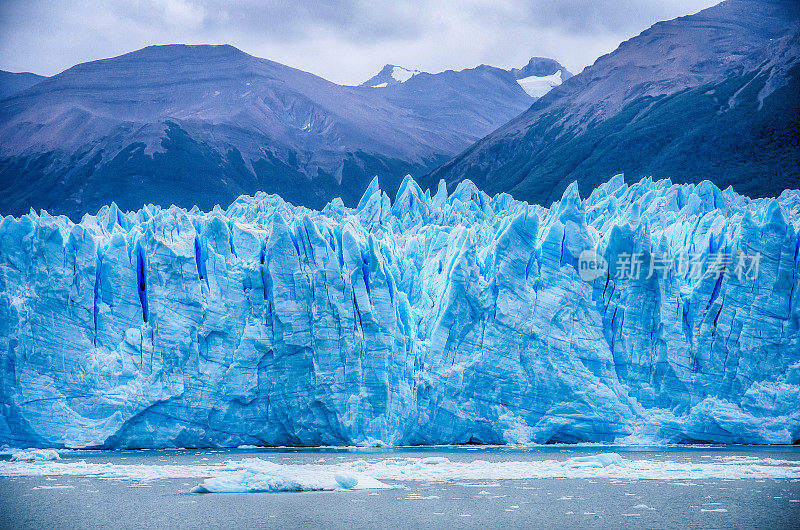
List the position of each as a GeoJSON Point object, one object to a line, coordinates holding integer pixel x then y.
{"type": "Point", "coordinates": [538, 86]}
{"type": "Point", "coordinates": [402, 75]}
{"type": "Point", "coordinates": [390, 75]}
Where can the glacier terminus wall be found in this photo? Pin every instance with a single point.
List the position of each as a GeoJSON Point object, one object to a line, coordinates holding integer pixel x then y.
{"type": "Point", "coordinates": [436, 319]}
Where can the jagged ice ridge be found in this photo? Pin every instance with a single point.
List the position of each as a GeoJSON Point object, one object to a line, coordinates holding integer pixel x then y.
{"type": "Point", "coordinates": [436, 319]}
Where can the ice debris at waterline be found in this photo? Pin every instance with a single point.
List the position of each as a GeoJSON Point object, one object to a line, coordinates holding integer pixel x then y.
{"type": "Point", "coordinates": [259, 475]}
{"type": "Point", "coordinates": [32, 455]}
{"type": "Point", "coordinates": [442, 319]}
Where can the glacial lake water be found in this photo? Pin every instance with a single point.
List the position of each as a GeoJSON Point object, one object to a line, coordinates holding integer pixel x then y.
{"type": "Point", "coordinates": [442, 487]}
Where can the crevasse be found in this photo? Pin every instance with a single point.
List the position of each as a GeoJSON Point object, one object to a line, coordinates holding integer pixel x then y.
{"type": "Point", "coordinates": [436, 319]}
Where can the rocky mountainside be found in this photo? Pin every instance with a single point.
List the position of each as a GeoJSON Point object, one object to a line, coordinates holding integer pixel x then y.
{"type": "Point", "coordinates": [714, 95]}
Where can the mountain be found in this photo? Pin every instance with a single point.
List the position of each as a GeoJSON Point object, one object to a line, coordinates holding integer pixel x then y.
{"type": "Point", "coordinates": [12, 83]}
{"type": "Point", "coordinates": [715, 95]}
{"type": "Point", "coordinates": [536, 78]}
{"type": "Point", "coordinates": [203, 124]}
{"type": "Point", "coordinates": [200, 125]}
{"type": "Point", "coordinates": [430, 320]}
{"type": "Point", "coordinates": [473, 101]}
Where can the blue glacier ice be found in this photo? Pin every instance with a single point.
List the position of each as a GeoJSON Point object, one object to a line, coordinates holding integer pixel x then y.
{"type": "Point", "coordinates": [434, 319]}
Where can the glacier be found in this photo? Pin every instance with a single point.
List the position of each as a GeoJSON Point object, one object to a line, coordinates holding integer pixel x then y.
{"type": "Point", "coordinates": [434, 319]}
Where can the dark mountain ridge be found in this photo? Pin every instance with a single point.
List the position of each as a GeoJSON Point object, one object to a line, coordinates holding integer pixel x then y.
{"type": "Point", "coordinates": [714, 96]}
{"type": "Point", "coordinates": [14, 82]}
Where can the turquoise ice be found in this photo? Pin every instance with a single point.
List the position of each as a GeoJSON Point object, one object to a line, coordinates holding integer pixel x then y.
{"type": "Point", "coordinates": [433, 319]}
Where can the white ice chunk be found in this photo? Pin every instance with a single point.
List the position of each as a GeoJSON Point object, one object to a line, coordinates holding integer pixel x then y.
{"type": "Point", "coordinates": [35, 455]}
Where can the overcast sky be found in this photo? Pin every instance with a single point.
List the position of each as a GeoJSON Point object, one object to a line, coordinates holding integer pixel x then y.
{"type": "Point", "coordinates": [345, 41]}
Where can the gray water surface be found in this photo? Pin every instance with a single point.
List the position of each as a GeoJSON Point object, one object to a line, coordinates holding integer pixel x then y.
{"type": "Point", "coordinates": [91, 502]}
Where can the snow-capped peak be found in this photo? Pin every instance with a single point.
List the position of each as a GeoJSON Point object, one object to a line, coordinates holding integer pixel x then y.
{"type": "Point", "coordinates": [540, 75]}
{"type": "Point", "coordinates": [390, 75]}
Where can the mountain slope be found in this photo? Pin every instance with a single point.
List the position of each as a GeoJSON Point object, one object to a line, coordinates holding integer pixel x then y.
{"type": "Point", "coordinates": [203, 124]}
{"type": "Point", "coordinates": [12, 82]}
{"type": "Point", "coordinates": [708, 96]}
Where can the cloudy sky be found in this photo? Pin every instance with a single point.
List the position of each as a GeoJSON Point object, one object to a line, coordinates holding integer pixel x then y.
{"type": "Point", "coordinates": [346, 41]}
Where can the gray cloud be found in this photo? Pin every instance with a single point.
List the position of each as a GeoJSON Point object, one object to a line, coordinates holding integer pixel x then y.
{"type": "Point", "coordinates": [345, 41]}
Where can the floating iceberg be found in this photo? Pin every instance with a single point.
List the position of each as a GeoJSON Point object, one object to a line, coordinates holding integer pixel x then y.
{"type": "Point", "coordinates": [598, 460]}
{"type": "Point", "coordinates": [265, 477]}
{"type": "Point", "coordinates": [435, 319]}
